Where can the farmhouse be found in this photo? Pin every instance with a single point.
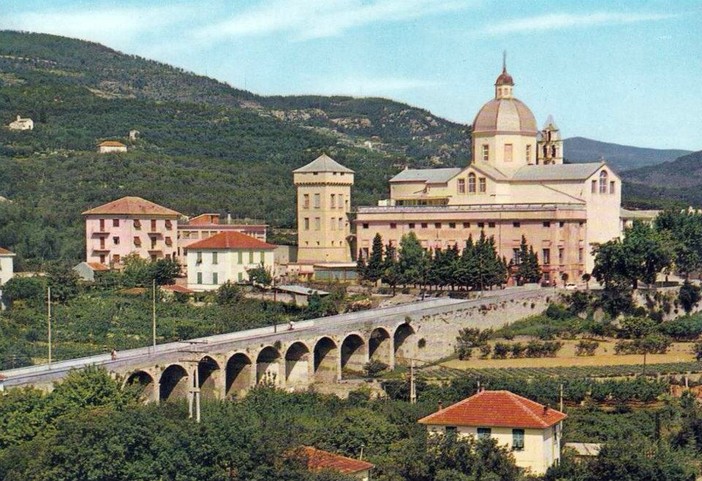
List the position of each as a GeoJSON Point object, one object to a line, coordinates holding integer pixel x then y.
{"type": "Point", "coordinates": [318, 460]}
{"type": "Point", "coordinates": [531, 430]}
{"type": "Point", "coordinates": [111, 146]}
{"type": "Point", "coordinates": [21, 124]}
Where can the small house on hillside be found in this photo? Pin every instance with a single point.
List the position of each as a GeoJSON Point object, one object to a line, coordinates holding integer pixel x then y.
{"type": "Point", "coordinates": [227, 256]}
{"type": "Point", "coordinates": [111, 146]}
{"type": "Point", "coordinates": [7, 265]}
{"type": "Point", "coordinates": [318, 460]}
{"type": "Point", "coordinates": [532, 431]}
{"type": "Point", "coordinates": [22, 124]}
{"type": "Point", "coordinates": [86, 270]}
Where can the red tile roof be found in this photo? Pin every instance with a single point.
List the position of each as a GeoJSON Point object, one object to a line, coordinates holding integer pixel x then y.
{"type": "Point", "coordinates": [230, 240]}
{"type": "Point", "coordinates": [496, 409]}
{"type": "Point", "coordinates": [111, 143]}
{"type": "Point", "coordinates": [318, 459]}
{"type": "Point", "coordinates": [132, 206]}
{"type": "Point", "coordinates": [6, 252]}
{"type": "Point", "coordinates": [96, 266]}
{"type": "Point", "coordinates": [177, 288]}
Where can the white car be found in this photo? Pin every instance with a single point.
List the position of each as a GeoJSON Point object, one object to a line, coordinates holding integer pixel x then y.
{"type": "Point", "coordinates": [571, 287]}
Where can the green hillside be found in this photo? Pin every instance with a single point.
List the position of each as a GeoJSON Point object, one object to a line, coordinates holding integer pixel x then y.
{"type": "Point", "coordinates": [203, 145]}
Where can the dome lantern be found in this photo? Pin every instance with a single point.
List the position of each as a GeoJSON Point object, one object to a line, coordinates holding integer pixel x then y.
{"type": "Point", "coordinates": [504, 83]}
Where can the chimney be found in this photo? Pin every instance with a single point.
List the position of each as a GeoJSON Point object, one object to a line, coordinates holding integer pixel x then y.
{"type": "Point", "coordinates": [441, 405]}
{"type": "Point", "coordinates": [545, 410]}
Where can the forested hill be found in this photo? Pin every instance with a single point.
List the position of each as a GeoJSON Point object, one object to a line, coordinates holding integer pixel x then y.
{"type": "Point", "coordinates": [620, 157]}
{"type": "Point", "coordinates": [203, 145]}
{"type": "Point", "coordinates": [679, 180]}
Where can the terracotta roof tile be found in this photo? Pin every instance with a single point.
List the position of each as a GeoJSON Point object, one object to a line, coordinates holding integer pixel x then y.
{"type": "Point", "coordinates": [496, 409]}
{"type": "Point", "coordinates": [318, 459]}
{"type": "Point", "coordinates": [230, 240]}
{"type": "Point", "coordinates": [111, 143]}
{"type": "Point", "coordinates": [96, 266]}
{"type": "Point", "coordinates": [6, 252]}
{"type": "Point", "coordinates": [132, 206]}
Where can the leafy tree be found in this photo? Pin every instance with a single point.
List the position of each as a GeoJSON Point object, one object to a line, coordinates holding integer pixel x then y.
{"type": "Point", "coordinates": [586, 279]}
{"type": "Point", "coordinates": [413, 262]}
{"type": "Point", "coordinates": [689, 296]}
{"type": "Point", "coordinates": [64, 282]}
{"type": "Point", "coordinates": [229, 294]}
{"type": "Point", "coordinates": [164, 271]}
{"type": "Point", "coordinates": [260, 275]}
{"type": "Point", "coordinates": [30, 289]}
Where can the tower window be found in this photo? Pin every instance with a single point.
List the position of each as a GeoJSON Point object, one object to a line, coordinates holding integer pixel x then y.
{"type": "Point", "coordinates": [317, 223]}
{"type": "Point", "coordinates": [612, 189]}
{"type": "Point", "coordinates": [486, 152]}
{"type": "Point", "coordinates": [528, 154]}
{"type": "Point", "coordinates": [482, 185]}
{"type": "Point", "coordinates": [332, 201]}
{"type": "Point", "coordinates": [307, 223]}
{"type": "Point", "coordinates": [341, 201]}
{"type": "Point", "coordinates": [508, 152]}
{"type": "Point", "coordinates": [306, 201]}
{"type": "Point", "coordinates": [603, 182]}
{"type": "Point", "coordinates": [594, 187]}
{"type": "Point", "coordinates": [317, 201]}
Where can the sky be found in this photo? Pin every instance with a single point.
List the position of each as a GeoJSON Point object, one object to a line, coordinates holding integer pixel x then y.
{"type": "Point", "coordinates": [616, 71]}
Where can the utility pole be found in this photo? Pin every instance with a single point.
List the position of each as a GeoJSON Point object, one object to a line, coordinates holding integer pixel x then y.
{"type": "Point", "coordinates": [413, 388]}
{"type": "Point", "coordinates": [48, 317]}
{"type": "Point", "coordinates": [561, 397]}
{"type": "Point", "coordinates": [153, 313]}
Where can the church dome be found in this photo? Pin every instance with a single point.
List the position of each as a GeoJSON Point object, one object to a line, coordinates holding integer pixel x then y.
{"type": "Point", "coordinates": [505, 116]}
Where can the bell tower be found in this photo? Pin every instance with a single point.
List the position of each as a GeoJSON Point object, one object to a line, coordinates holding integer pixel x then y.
{"type": "Point", "coordinates": [549, 144]}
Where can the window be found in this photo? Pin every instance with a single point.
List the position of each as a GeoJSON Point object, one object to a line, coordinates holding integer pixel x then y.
{"type": "Point", "coordinates": [115, 222]}
{"type": "Point", "coordinates": [214, 259]}
{"type": "Point", "coordinates": [115, 240]}
{"type": "Point", "coordinates": [580, 254]}
{"type": "Point", "coordinates": [461, 186]}
{"type": "Point", "coordinates": [491, 225]}
{"type": "Point", "coordinates": [240, 256]}
{"type": "Point", "coordinates": [411, 225]}
{"type": "Point", "coordinates": [317, 201]}
{"type": "Point", "coordinates": [561, 224]}
{"type": "Point", "coordinates": [481, 225]}
{"type": "Point", "coordinates": [153, 225]}
{"type": "Point", "coordinates": [603, 182]}
{"type": "Point", "coordinates": [560, 255]}
{"type": "Point", "coordinates": [169, 241]}
{"type": "Point", "coordinates": [528, 154]}
{"type": "Point", "coordinates": [517, 439]}
{"type": "Point", "coordinates": [486, 152]}
{"type": "Point", "coordinates": [198, 260]}
{"type": "Point", "coordinates": [102, 258]}
{"type": "Point", "coordinates": [452, 225]}
{"type": "Point", "coordinates": [341, 201]}
{"type": "Point", "coordinates": [508, 152]}
{"type": "Point", "coordinates": [365, 226]}
{"type": "Point", "coordinates": [306, 201]}
{"type": "Point", "coordinates": [115, 259]}
{"type": "Point", "coordinates": [137, 241]}
{"type": "Point", "coordinates": [332, 223]}
{"type": "Point", "coordinates": [332, 201]}
{"type": "Point", "coordinates": [102, 225]}
{"type": "Point", "coordinates": [215, 278]}
{"type": "Point", "coordinates": [424, 225]}
{"type": "Point", "coordinates": [482, 185]}
{"type": "Point", "coordinates": [484, 433]}
{"type": "Point", "coordinates": [341, 223]}
{"type": "Point", "coordinates": [546, 256]}
{"type": "Point", "coordinates": [240, 277]}
{"type": "Point", "coordinates": [102, 243]}
{"type": "Point", "coordinates": [153, 243]}
{"type": "Point", "coordinates": [251, 257]}
{"type": "Point", "coordinates": [516, 224]}
{"type": "Point", "coordinates": [199, 277]}
{"type": "Point", "coordinates": [451, 430]}
{"type": "Point", "coordinates": [594, 187]}
{"type": "Point", "coordinates": [437, 225]}
{"type": "Point", "coordinates": [307, 223]}
{"type": "Point", "coordinates": [137, 224]}
{"type": "Point", "coordinates": [393, 225]}
{"type": "Point", "coordinates": [263, 256]}
{"type": "Point", "coordinates": [547, 224]}
{"type": "Point", "coordinates": [317, 223]}
{"type": "Point", "coordinates": [612, 188]}
{"type": "Point", "coordinates": [471, 183]}
{"type": "Point", "coordinates": [515, 256]}
{"type": "Point", "coordinates": [466, 225]}
{"type": "Point", "coordinates": [169, 224]}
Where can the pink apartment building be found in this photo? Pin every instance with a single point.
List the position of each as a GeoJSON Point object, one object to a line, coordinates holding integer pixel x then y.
{"type": "Point", "coordinates": [130, 225]}
{"type": "Point", "coordinates": [205, 226]}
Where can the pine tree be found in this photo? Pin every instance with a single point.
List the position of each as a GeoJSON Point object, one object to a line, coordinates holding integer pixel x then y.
{"type": "Point", "coordinates": [374, 267]}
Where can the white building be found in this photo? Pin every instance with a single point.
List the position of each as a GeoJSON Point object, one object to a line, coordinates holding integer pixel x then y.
{"type": "Point", "coordinates": [111, 146]}
{"type": "Point", "coordinates": [22, 124]}
{"type": "Point", "coordinates": [7, 265]}
{"type": "Point", "coordinates": [530, 430]}
{"type": "Point", "coordinates": [226, 256]}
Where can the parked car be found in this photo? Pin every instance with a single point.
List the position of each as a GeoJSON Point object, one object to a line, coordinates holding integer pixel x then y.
{"type": "Point", "coordinates": [571, 286]}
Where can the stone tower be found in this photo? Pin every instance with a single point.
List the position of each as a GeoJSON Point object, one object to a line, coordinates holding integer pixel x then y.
{"type": "Point", "coordinates": [323, 204]}
{"type": "Point", "coordinates": [549, 145]}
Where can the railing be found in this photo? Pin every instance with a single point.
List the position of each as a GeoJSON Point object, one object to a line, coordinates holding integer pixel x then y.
{"type": "Point", "coordinates": [473, 208]}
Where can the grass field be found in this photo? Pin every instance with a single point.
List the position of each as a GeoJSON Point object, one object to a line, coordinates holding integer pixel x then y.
{"type": "Point", "coordinates": [604, 356]}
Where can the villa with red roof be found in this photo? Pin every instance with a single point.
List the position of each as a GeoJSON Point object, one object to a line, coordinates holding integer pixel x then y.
{"type": "Point", "coordinates": [226, 256]}
{"type": "Point", "coordinates": [318, 460]}
{"type": "Point", "coordinates": [532, 431]}
{"type": "Point", "coordinates": [130, 225]}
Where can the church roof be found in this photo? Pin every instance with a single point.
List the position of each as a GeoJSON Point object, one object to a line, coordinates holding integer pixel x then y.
{"type": "Point", "coordinates": [427, 175]}
{"type": "Point", "coordinates": [505, 115]}
{"type": "Point", "coordinates": [324, 163]}
{"type": "Point", "coordinates": [496, 409]}
{"type": "Point", "coordinates": [556, 172]}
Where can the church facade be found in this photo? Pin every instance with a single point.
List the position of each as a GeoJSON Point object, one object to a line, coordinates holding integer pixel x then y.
{"type": "Point", "coordinates": [515, 185]}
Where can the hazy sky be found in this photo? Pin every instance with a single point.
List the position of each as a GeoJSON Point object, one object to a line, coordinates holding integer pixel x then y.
{"type": "Point", "coordinates": [617, 71]}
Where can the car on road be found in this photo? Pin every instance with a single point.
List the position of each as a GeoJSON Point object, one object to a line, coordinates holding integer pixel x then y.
{"type": "Point", "coordinates": [571, 287]}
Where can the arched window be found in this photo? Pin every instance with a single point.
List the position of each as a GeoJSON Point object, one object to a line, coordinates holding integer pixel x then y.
{"type": "Point", "coordinates": [603, 182]}
{"type": "Point", "coordinates": [471, 183]}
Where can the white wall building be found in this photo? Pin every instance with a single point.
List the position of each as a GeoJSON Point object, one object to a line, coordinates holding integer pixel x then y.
{"type": "Point", "coordinates": [7, 265]}
{"type": "Point", "coordinates": [530, 430]}
{"type": "Point", "coordinates": [22, 124]}
{"type": "Point", "coordinates": [226, 256]}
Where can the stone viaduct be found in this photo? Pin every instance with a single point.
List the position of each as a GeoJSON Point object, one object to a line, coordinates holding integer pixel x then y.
{"type": "Point", "coordinates": [324, 350]}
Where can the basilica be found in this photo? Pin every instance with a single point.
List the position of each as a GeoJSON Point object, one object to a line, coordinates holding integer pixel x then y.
{"type": "Point", "coordinates": [515, 185]}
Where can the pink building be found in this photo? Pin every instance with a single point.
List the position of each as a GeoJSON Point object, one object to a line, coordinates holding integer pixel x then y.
{"type": "Point", "coordinates": [205, 226]}
{"type": "Point", "coordinates": [130, 225]}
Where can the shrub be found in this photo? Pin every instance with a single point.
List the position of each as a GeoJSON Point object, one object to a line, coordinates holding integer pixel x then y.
{"type": "Point", "coordinates": [697, 350]}
{"type": "Point", "coordinates": [485, 350]}
{"type": "Point", "coordinates": [586, 347]}
{"type": "Point", "coordinates": [556, 312]}
{"type": "Point", "coordinates": [464, 352]}
{"type": "Point", "coordinates": [468, 338]}
{"type": "Point", "coordinates": [374, 368]}
{"type": "Point", "coordinates": [500, 350]}
{"type": "Point", "coordinates": [517, 349]}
